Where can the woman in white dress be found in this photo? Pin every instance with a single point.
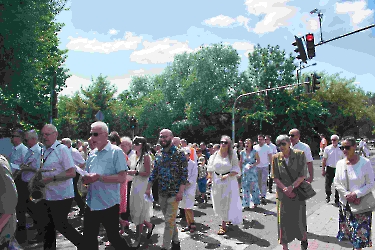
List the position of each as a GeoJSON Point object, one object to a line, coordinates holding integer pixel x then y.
{"type": "Point", "coordinates": [188, 199]}
{"type": "Point", "coordinates": [222, 170]}
{"type": "Point", "coordinates": [141, 209]}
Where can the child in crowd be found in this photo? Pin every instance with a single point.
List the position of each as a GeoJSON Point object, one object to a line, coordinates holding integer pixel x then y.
{"type": "Point", "coordinates": [202, 178]}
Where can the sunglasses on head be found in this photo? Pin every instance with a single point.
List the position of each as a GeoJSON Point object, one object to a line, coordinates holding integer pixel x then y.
{"type": "Point", "coordinates": [345, 147]}
{"type": "Point", "coordinates": [281, 144]}
{"type": "Point", "coordinates": [95, 134]}
{"type": "Point", "coordinates": [223, 142]}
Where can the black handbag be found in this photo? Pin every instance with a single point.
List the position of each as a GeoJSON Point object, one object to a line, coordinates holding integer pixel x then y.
{"type": "Point", "coordinates": [304, 191]}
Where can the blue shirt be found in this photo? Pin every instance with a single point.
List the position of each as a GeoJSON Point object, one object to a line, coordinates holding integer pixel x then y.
{"type": "Point", "coordinates": [17, 156]}
{"type": "Point", "coordinates": [109, 161]}
{"type": "Point", "coordinates": [32, 158]}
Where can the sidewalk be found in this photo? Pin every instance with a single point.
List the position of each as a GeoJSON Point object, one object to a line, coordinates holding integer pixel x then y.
{"type": "Point", "coordinates": [322, 227]}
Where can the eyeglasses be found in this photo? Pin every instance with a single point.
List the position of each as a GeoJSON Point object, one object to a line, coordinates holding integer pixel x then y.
{"type": "Point", "coordinates": [95, 134]}
{"type": "Point", "coordinates": [47, 134]}
{"type": "Point", "coordinates": [291, 135]}
{"type": "Point", "coordinates": [345, 147]}
{"type": "Point", "coordinates": [281, 144]}
{"type": "Point", "coordinates": [223, 142]}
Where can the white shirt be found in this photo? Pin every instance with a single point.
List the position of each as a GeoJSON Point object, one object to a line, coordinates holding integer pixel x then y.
{"type": "Point", "coordinates": [32, 158]}
{"type": "Point", "coordinates": [77, 157]}
{"type": "Point", "coordinates": [361, 178]}
{"type": "Point", "coordinates": [273, 148]}
{"type": "Point", "coordinates": [305, 148]}
{"type": "Point", "coordinates": [263, 153]}
{"type": "Point", "coordinates": [58, 157]}
{"type": "Point", "coordinates": [333, 155]}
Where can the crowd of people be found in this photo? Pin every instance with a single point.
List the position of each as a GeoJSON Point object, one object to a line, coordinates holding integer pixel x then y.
{"type": "Point", "coordinates": [117, 180]}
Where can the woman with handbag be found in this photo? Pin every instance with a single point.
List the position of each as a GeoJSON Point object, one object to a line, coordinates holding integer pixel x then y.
{"type": "Point", "coordinates": [354, 180]}
{"type": "Point", "coordinates": [288, 172]}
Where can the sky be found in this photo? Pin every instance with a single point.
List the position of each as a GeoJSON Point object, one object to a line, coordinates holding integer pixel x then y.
{"type": "Point", "coordinates": [121, 38]}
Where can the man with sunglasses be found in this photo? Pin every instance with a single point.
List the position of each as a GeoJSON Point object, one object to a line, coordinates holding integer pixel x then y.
{"type": "Point", "coordinates": [107, 168]}
{"type": "Point", "coordinates": [294, 136]}
{"type": "Point", "coordinates": [19, 150]}
{"type": "Point", "coordinates": [331, 155]}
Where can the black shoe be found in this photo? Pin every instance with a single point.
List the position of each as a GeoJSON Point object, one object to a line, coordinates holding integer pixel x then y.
{"type": "Point", "coordinates": [263, 201]}
{"type": "Point", "coordinates": [176, 246]}
{"type": "Point", "coordinates": [328, 199]}
{"type": "Point", "coordinates": [304, 245]}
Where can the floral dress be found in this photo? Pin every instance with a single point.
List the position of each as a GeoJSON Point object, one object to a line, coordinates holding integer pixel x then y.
{"type": "Point", "coordinates": [249, 180]}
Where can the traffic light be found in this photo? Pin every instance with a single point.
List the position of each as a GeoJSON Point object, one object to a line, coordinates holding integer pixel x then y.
{"type": "Point", "coordinates": [316, 83]}
{"type": "Point", "coordinates": [310, 45]}
{"type": "Point", "coordinates": [133, 122]}
{"type": "Point", "coordinates": [300, 50]}
{"type": "Point", "coordinates": [307, 84]}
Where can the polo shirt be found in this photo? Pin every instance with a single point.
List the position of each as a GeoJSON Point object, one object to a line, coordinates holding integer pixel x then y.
{"type": "Point", "coordinates": [108, 161]}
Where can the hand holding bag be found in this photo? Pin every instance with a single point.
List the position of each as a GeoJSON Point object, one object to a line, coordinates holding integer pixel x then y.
{"type": "Point", "coordinates": [367, 203]}
{"type": "Point", "coordinates": [304, 191]}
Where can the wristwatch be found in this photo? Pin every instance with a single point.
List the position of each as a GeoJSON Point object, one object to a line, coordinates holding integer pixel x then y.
{"type": "Point", "coordinates": [136, 173]}
{"type": "Point", "coordinates": [293, 186]}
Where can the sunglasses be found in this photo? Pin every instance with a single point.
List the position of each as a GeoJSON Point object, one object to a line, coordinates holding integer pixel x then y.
{"type": "Point", "coordinates": [291, 135]}
{"type": "Point", "coordinates": [95, 134]}
{"type": "Point", "coordinates": [281, 144]}
{"type": "Point", "coordinates": [345, 147]}
{"type": "Point", "coordinates": [137, 143]}
{"type": "Point", "coordinates": [223, 142]}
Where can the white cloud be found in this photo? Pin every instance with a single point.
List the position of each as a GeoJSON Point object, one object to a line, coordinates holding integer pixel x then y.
{"type": "Point", "coordinates": [243, 21]}
{"type": "Point", "coordinates": [221, 20]}
{"type": "Point", "coordinates": [276, 14]}
{"type": "Point", "coordinates": [129, 42]}
{"type": "Point", "coordinates": [161, 51]}
{"type": "Point", "coordinates": [248, 47]}
{"type": "Point", "coordinates": [74, 84]}
{"type": "Point", "coordinates": [357, 11]}
{"type": "Point", "coordinates": [113, 32]}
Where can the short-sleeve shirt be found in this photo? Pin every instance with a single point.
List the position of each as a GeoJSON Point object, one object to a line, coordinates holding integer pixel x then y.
{"type": "Point", "coordinates": [108, 161]}
{"type": "Point", "coordinates": [263, 152]}
{"type": "Point", "coordinates": [333, 155]}
{"type": "Point", "coordinates": [32, 158]}
{"type": "Point", "coordinates": [58, 157]}
{"type": "Point", "coordinates": [273, 148]}
{"type": "Point", "coordinates": [17, 156]}
{"type": "Point", "coordinates": [77, 157]}
{"type": "Point", "coordinates": [305, 148]}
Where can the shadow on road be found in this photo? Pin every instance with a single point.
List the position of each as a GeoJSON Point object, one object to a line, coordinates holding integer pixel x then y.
{"type": "Point", "coordinates": [329, 239]}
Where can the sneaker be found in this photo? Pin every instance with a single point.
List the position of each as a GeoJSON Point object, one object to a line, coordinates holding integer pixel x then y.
{"type": "Point", "coordinates": [263, 201]}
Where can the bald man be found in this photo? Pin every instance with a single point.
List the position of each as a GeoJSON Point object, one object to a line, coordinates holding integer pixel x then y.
{"type": "Point", "coordinates": [294, 136]}
{"type": "Point", "coordinates": [171, 171]}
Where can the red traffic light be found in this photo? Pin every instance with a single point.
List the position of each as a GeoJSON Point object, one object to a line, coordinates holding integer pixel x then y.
{"type": "Point", "coordinates": [310, 37]}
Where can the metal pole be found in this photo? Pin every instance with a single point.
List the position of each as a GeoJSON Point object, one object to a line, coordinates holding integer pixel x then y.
{"type": "Point", "coordinates": [348, 34]}
{"type": "Point", "coordinates": [320, 15]}
{"type": "Point", "coordinates": [251, 93]}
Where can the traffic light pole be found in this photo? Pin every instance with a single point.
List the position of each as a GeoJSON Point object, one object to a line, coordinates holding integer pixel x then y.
{"type": "Point", "coordinates": [252, 93]}
{"type": "Point", "coordinates": [348, 34]}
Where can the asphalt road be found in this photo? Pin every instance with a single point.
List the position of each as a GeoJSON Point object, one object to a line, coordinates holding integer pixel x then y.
{"type": "Point", "coordinates": [258, 231]}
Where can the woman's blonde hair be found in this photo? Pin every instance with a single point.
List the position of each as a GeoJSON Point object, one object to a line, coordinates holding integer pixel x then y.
{"type": "Point", "coordinates": [230, 148]}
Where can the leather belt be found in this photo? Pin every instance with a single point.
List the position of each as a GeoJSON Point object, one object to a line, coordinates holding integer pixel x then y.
{"type": "Point", "coordinates": [221, 174]}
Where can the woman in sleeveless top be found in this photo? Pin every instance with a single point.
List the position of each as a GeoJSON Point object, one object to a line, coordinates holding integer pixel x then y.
{"type": "Point", "coordinates": [140, 208]}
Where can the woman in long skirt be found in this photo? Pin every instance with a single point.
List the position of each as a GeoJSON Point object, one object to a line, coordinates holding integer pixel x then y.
{"type": "Point", "coordinates": [249, 158]}
{"type": "Point", "coordinates": [222, 171]}
{"type": "Point", "coordinates": [357, 172]}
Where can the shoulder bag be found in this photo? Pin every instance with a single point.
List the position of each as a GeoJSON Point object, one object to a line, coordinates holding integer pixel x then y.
{"type": "Point", "coordinates": [367, 203]}
{"type": "Point", "coordinates": [304, 191]}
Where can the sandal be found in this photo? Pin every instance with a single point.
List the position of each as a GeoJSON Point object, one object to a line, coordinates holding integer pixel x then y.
{"type": "Point", "coordinates": [185, 229]}
{"type": "Point", "coordinates": [221, 231]}
{"type": "Point", "coordinates": [192, 227]}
